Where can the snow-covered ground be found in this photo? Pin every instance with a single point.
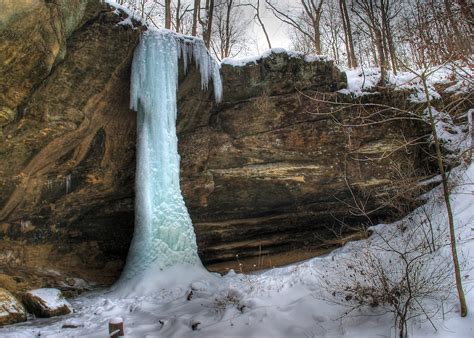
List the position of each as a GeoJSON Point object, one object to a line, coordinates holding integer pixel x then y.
{"type": "Point", "coordinates": [282, 302]}
{"type": "Point", "coordinates": [459, 77]}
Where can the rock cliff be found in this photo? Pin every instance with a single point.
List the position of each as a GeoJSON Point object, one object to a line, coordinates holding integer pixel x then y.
{"type": "Point", "coordinates": [67, 157]}
{"type": "Point", "coordinates": [268, 175]}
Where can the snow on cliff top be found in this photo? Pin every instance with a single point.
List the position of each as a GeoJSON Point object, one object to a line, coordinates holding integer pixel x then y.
{"type": "Point", "coordinates": [240, 62]}
{"type": "Point", "coordinates": [362, 81]}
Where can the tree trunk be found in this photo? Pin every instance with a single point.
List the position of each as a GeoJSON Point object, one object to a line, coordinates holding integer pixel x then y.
{"type": "Point", "coordinates": [460, 41]}
{"type": "Point", "coordinates": [227, 29]}
{"type": "Point", "coordinates": [346, 35]}
{"type": "Point", "coordinates": [384, 41]}
{"type": "Point", "coordinates": [335, 50]}
{"type": "Point", "coordinates": [178, 18]}
{"type": "Point", "coordinates": [381, 56]}
{"type": "Point", "coordinates": [142, 9]}
{"type": "Point", "coordinates": [168, 14]}
{"type": "Point", "coordinates": [313, 12]}
{"type": "Point", "coordinates": [349, 35]}
{"type": "Point", "coordinates": [402, 328]}
{"type": "Point", "coordinates": [261, 24]}
{"type": "Point", "coordinates": [317, 38]}
{"type": "Point", "coordinates": [388, 34]}
{"type": "Point", "coordinates": [197, 4]}
{"type": "Point", "coordinates": [444, 179]}
{"type": "Point", "coordinates": [208, 31]}
{"type": "Point", "coordinates": [372, 38]}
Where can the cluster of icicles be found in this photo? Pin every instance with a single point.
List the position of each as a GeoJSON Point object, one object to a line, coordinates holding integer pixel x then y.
{"type": "Point", "coordinates": [164, 235]}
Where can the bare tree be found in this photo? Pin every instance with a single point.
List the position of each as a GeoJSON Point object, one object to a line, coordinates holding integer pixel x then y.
{"type": "Point", "coordinates": [178, 16]}
{"type": "Point", "coordinates": [305, 21]}
{"type": "Point", "coordinates": [395, 271]}
{"type": "Point", "coordinates": [402, 269]}
{"type": "Point", "coordinates": [197, 4]}
{"type": "Point", "coordinates": [458, 36]}
{"type": "Point", "coordinates": [206, 22]}
{"type": "Point", "coordinates": [387, 16]}
{"type": "Point", "coordinates": [168, 14]}
{"type": "Point", "coordinates": [229, 31]}
{"type": "Point", "coordinates": [258, 17]}
{"type": "Point", "coordinates": [331, 31]}
{"type": "Point", "coordinates": [444, 178]}
{"type": "Point", "coordinates": [346, 23]}
{"type": "Point", "coordinates": [440, 159]}
{"type": "Point", "coordinates": [367, 12]}
{"type": "Point", "coordinates": [182, 23]}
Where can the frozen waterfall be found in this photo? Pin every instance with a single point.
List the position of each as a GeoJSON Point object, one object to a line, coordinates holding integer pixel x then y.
{"type": "Point", "coordinates": [164, 235]}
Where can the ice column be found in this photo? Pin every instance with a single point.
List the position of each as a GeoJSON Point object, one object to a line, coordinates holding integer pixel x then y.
{"type": "Point", "coordinates": [164, 234]}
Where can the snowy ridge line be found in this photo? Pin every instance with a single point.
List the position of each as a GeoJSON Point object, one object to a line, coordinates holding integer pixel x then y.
{"type": "Point", "coordinates": [240, 62]}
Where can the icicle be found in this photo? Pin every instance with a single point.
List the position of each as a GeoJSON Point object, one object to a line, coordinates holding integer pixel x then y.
{"type": "Point", "coordinates": [194, 49]}
{"type": "Point", "coordinates": [164, 234]}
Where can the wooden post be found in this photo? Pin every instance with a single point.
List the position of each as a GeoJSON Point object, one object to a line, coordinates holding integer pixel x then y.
{"type": "Point", "coordinates": [116, 328]}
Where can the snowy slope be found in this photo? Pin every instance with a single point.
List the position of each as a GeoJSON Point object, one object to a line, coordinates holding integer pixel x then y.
{"type": "Point", "coordinates": [283, 302]}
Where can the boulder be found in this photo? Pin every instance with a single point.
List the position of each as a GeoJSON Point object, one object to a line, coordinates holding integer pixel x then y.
{"type": "Point", "coordinates": [46, 302]}
{"type": "Point", "coordinates": [11, 310]}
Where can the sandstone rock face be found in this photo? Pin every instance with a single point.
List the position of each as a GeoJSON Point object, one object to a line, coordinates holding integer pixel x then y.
{"type": "Point", "coordinates": [46, 302]}
{"type": "Point", "coordinates": [266, 175]}
{"type": "Point", "coordinates": [280, 73]}
{"type": "Point", "coordinates": [34, 35]}
{"type": "Point", "coordinates": [11, 311]}
{"type": "Point", "coordinates": [270, 173]}
{"type": "Point", "coordinates": [67, 162]}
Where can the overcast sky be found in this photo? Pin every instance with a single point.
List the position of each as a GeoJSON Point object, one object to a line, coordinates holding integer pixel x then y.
{"type": "Point", "coordinates": [277, 30]}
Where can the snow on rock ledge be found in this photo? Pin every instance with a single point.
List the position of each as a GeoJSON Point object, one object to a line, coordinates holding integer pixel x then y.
{"type": "Point", "coordinates": [46, 303]}
{"type": "Point", "coordinates": [240, 62]}
{"type": "Point", "coordinates": [277, 72]}
{"type": "Point", "coordinates": [451, 78]}
{"type": "Point", "coordinates": [11, 311]}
